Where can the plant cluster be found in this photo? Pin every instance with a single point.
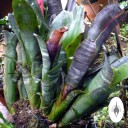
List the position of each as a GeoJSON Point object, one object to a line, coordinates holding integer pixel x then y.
{"type": "Point", "coordinates": [49, 55]}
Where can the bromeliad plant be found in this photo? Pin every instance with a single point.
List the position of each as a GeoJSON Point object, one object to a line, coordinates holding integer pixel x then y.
{"type": "Point", "coordinates": [38, 59]}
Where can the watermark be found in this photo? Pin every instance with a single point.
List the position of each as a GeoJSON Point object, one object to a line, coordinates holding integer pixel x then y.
{"type": "Point", "coordinates": [116, 109]}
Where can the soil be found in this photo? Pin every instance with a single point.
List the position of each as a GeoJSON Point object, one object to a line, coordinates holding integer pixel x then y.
{"type": "Point", "coordinates": [27, 118]}
{"type": "Point", "coordinates": [24, 117]}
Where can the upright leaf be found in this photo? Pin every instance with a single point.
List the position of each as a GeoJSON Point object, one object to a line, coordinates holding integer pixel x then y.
{"type": "Point", "coordinates": [27, 24]}
{"type": "Point", "coordinates": [50, 76]}
{"type": "Point", "coordinates": [9, 70]}
{"type": "Point", "coordinates": [75, 29]}
{"type": "Point", "coordinates": [72, 37]}
{"type": "Point", "coordinates": [98, 90]}
{"type": "Point", "coordinates": [62, 19]}
{"type": "Point", "coordinates": [53, 42]}
{"type": "Point", "coordinates": [91, 96]}
{"type": "Point", "coordinates": [32, 88]}
{"type": "Point", "coordinates": [45, 55]}
{"type": "Point", "coordinates": [83, 57]}
{"type": "Point", "coordinates": [37, 6]}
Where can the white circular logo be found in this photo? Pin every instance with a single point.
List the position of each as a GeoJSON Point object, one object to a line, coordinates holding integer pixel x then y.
{"type": "Point", "coordinates": [116, 109]}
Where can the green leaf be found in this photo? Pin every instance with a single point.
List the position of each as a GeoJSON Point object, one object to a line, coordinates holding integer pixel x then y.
{"type": "Point", "coordinates": [45, 55]}
{"type": "Point", "coordinates": [98, 90]}
{"type": "Point", "coordinates": [13, 24]}
{"type": "Point", "coordinates": [58, 110]}
{"type": "Point", "coordinates": [6, 123]}
{"type": "Point", "coordinates": [57, 68]}
{"type": "Point", "coordinates": [2, 125]}
{"type": "Point", "coordinates": [84, 104]}
{"type": "Point", "coordinates": [49, 86]}
{"type": "Point", "coordinates": [32, 87]}
{"type": "Point", "coordinates": [9, 69]}
{"type": "Point", "coordinates": [98, 86]}
{"type": "Point", "coordinates": [27, 23]}
{"type": "Point", "coordinates": [43, 32]}
{"type": "Point", "coordinates": [14, 27]}
{"type": "Point", "coordinates": [25, 16]}
{"type": "Point", "coordinates": [36, 8]}
{"type": "Point", "coordinates": [40, 17]}
{"type": "Point", "coordinates": [70, 50]}
{"type": "Point", "coordinates": [63, 19]}
{"type": "Point", "coordinates": [3, 22]}
{"type": "Point", "coordinates": [103, 78]}
{"type": "Point", "coordinates": [75, 22]}
{"type": "Point", "coordinates": [120, 74]}
{"type": "Point", "coordinates": [72, 38]}
{"type": "Point", "coordinates": [60, 56]}
{"type": "Point", "coordinates": [2, 117]}
{"type": "Point", "coordinates": [21, 89]}
{"type": "Point", "coordinates": [75, 28]}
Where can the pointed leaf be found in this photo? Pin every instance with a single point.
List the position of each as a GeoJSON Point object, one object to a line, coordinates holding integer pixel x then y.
{"type": "Point", "coordinates": [102, 19]}
{"type": "Point", "coordinates": [45, 55]}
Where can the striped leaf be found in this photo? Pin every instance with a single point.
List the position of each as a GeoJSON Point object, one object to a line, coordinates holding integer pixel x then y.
{"type": "Point", "coordinates": [98, 90]}
{"type": "Point", "coordinates": [27, 23]}
{"type": "Point", "coordinates": [32, 88]}
{"type": "Point", "coordinates": [83, 57]}
{"type": "Point", "coordinates": [45, 55]}
{"type": "Point", "coordinates": [10, 89]}
{"type": "Point", "coordinates": [102, 19]}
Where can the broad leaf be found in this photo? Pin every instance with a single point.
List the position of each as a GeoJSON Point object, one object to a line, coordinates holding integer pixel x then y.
{"type": "Point", "coordinates": [72, 37]}
{"type": "Point", "coordinates": [120, 74]}
{"type": "Point", "coordinates": [98, 90]}
{"type": "Point", "coordinates": [75, 29]}
{"type": "Point", "coordinates": [40, 17]}
{"type": "Point", "coordinates": [62, 19]}
{"type": "Point", "coordinates": [27, 23]}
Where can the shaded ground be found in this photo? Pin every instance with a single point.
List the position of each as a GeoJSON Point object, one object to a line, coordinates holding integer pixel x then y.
{"type": "Point", "coordinates": [26, 118]}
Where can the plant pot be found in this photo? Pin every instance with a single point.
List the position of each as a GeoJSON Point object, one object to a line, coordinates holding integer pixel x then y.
{"type": "Point", "coordinates": [102, 3]}
{"type": "Point", "coordinates": [92, 10]}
